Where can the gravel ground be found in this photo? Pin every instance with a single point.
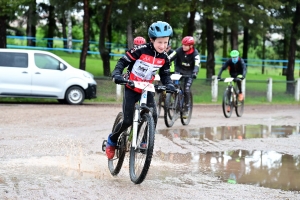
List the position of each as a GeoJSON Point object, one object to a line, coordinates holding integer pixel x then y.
{"type": "Point", "coordinates": [53, 151]}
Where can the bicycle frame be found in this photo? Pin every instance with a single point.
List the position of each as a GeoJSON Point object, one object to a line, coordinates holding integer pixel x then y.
{"type": "Point", "coordinates": [145, 86]}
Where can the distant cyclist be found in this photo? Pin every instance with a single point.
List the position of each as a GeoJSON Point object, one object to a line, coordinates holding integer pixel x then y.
{"type": "Point", "coordinates": [187, 63]}
{"type": "Point", "coordinates": [138, 41]}
{"type": "Point", "coordinates": [143, 62]}
{"type": "Point", "coordinates": [237, 69]}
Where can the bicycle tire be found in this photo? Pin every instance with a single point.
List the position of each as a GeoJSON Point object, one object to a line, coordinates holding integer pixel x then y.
{"type": "Point", "coordinates": [159, 100]}
{"type": "Point", "coordinates": [115, 164]}
{"type": "Point", "coordinates": [186, 121]}
{"type": "Point", "coordinates": [140, 158]}
{"type": "Point", "coordinates": [170, 109]}
{"type": "Point", "coordinates": [239, 108]}
{"type": "Point", "coordinates": [226, 103]}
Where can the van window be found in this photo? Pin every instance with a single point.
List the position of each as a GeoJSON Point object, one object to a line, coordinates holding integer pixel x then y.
{"type": "Point", "coordinates": [43, 61]}
{"type": "Point", "coordinates": [11, 59]}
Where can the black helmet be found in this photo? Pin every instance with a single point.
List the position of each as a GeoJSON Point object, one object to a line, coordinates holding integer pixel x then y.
{"type": "Point", "coordinates": [160, 29]}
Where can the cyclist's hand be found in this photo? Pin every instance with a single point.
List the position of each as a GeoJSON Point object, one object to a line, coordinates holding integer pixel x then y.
{"type": "Point", "coordinates": [171, 88]}
{"type": "Point", "coordinates": [219, 78]}
{"type": "Point", "coordinates": [118, 79]}
{"type": "Point", "coordinates": [240, 77]}
{"type": "Point", "coordinates": [194, 76]}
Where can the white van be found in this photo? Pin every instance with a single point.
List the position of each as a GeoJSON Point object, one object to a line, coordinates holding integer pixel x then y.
{"type": "Point", "coordinates": [41, 74]}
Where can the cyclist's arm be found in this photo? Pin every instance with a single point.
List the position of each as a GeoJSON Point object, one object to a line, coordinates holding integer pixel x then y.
{"type": "Point", "coordinates": [197, 64]}
{"type": "Point", "coordinates": [244, 68]}
{"type": "Point", "coordinates": [123, 62]}
{"type": "Point", "coordinates": [225, 65]}
{"type": "Point", "coordinates": [173, 55]}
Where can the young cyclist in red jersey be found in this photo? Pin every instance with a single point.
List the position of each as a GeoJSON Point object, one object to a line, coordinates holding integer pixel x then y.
{"type": "Point", "coordinates": [143, 62]}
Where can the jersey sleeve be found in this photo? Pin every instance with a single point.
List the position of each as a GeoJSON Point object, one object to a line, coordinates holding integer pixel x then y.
{"type": "Point", "coordinates": [129, 57]}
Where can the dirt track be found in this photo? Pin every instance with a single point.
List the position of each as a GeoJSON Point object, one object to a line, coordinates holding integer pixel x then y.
{"type": "Point", "coordinates": [52, 151]}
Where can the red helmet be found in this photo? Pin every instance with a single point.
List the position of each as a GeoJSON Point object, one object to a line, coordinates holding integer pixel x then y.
{"type": "Point", "coordinates": [139, 40]}
{"type": "Point", "coordinates": [188, 40]}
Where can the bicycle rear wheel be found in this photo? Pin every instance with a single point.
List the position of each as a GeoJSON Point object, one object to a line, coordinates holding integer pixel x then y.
{"type": "Point", "coordinates": [227, 104]}
{"type": "Point", "coordinates": [115, 164]}
{"type": "Point", "coordinates": [239, 109]}
{"type": "Point", "coordinates": [171, 110]}
{"type": "Point", "coordinates": [140, 157]}
{"type": "Point", "coordinates": [186, 120]}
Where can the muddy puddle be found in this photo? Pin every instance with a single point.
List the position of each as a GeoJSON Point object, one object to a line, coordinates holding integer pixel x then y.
{"type": "Point", "coordinates": [232, 132]}
{"type": "Point", "coordinates": [261, 168]}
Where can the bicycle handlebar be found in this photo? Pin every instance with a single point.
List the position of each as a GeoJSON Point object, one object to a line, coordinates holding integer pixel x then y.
{"type": "Point", "coordinates": [234, 79]}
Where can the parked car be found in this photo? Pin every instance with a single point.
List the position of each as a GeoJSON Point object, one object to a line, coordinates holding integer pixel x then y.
{"type": "Point", "coordinates": [41, 74]}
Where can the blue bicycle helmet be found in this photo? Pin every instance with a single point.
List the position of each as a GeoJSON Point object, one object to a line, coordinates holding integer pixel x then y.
{"type": "Point", "coordinates": [160, 29]}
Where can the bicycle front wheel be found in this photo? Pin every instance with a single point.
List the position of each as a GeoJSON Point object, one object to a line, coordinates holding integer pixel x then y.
{"type": "Point", "coordinates": [239, 109]}
{"type": "Point", "coordinates": [171, 109]}
{"type": "Point", "coordinates": [115, 164]}
{"type": "Point", "coordinates": [140, 157]}
{"type": "Point", "coordinates": [227, 104]}
{"type": "Point", "coordinates": [186, 117]}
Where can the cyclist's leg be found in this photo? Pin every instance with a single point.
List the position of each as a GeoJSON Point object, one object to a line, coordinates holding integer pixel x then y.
{"type": "Point", "coordinates": [151, 104]}
{"type": "Point", "coordinates": [187, 90]}
{"type": "Point", "coordinates": [130, 97]}
{"type": "Point", "coordinates": [239, 85]}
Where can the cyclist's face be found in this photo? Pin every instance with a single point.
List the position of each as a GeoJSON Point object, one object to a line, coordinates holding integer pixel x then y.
{"type": "Point", "coordinates": [186, 47]}
{"type": "Point", "coordinates": [160, 44]}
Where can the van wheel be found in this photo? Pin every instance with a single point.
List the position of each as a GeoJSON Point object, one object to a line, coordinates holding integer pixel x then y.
{"type": "Point", "coordinates": [75, 95]}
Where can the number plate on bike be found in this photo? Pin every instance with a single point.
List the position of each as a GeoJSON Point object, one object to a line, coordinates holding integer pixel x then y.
{"type": "Point", "coordinates": [226, 80]}
{"type": "Point", "coordinates": [144, 86]}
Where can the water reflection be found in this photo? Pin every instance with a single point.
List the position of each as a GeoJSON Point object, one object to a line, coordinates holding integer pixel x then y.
{"type": "Point", "coordinates": [231, 132]}
{"type": "Point", "coordinates": [262, 168]}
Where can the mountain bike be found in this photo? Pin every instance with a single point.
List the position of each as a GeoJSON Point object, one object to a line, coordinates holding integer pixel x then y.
{"type": "Point", "coordinates": [230, 99]}
{"type": "Point", "coordinates": [175, 104]}
{"type": "Point", "coordinates": [138, 139]}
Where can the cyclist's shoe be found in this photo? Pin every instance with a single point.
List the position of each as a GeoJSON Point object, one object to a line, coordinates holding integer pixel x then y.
{"type": "Point", "coordinates": [228, 108]}
{"type": "Point", "coordinates": [241, 97]}
{"type": "Point", "coordinates": [185, 114]}
{"type": "Point", "coordinates": [110, 148]}
{"type": "Point", "coordinates": [143, 147]}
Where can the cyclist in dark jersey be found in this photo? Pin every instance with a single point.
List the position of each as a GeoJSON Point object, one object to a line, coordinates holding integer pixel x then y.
{"type": "Point", "coordinates": [143, 62]}
{"type": "Point", "coordinates": [237, 69]}
{"type": "Point", "coordinates": [187, 63]}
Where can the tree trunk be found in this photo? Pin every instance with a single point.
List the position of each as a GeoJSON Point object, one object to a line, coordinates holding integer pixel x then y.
{"type": "Point", "coordinates": [69, 22]}
{"type": "Point", "coordinates": [246, 44]}
{"type": "Point", "coordinates": [129, 33]}
{"type": "Point", "coordinates": [64, 29]}
{"type": "Point", "coordinates": [225, 41]}
{"type": "Point", "coordinates": [51, 27]}
{"type": "Point", "coordinates": [191, 23]}
{"type": "Point", "coordinates": [103, 51]}
{"type": "Point", "coordinates": [210, 61]}
{"type": "Point", "coordinates": [290, 86]}
{"type": "Point", "coordinates": [285, 53]}
{"type": "Point", "coordinates": [263, 55]}
{"type": "Point", "coordinates": [31, 23]}
{"type": "Point", "coordinates": [2, 31]}
{"type": "Point", "coordinates": [203, 43]}
{"type": "Point", "coordinates": [86, 35]}
{"type": "Point", "coordinates": [234, 38]}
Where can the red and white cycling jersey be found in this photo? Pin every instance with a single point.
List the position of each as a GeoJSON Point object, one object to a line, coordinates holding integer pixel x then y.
{"type": "Point", "coordinates": [143, 63]}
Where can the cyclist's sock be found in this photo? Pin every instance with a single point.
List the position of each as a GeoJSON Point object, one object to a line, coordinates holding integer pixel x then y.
{"type": "Point", "coordinates": [110, 142]}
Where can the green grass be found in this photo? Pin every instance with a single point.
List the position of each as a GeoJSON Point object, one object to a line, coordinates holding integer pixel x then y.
{"type": "Point", "coordinates": [256, 84]}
